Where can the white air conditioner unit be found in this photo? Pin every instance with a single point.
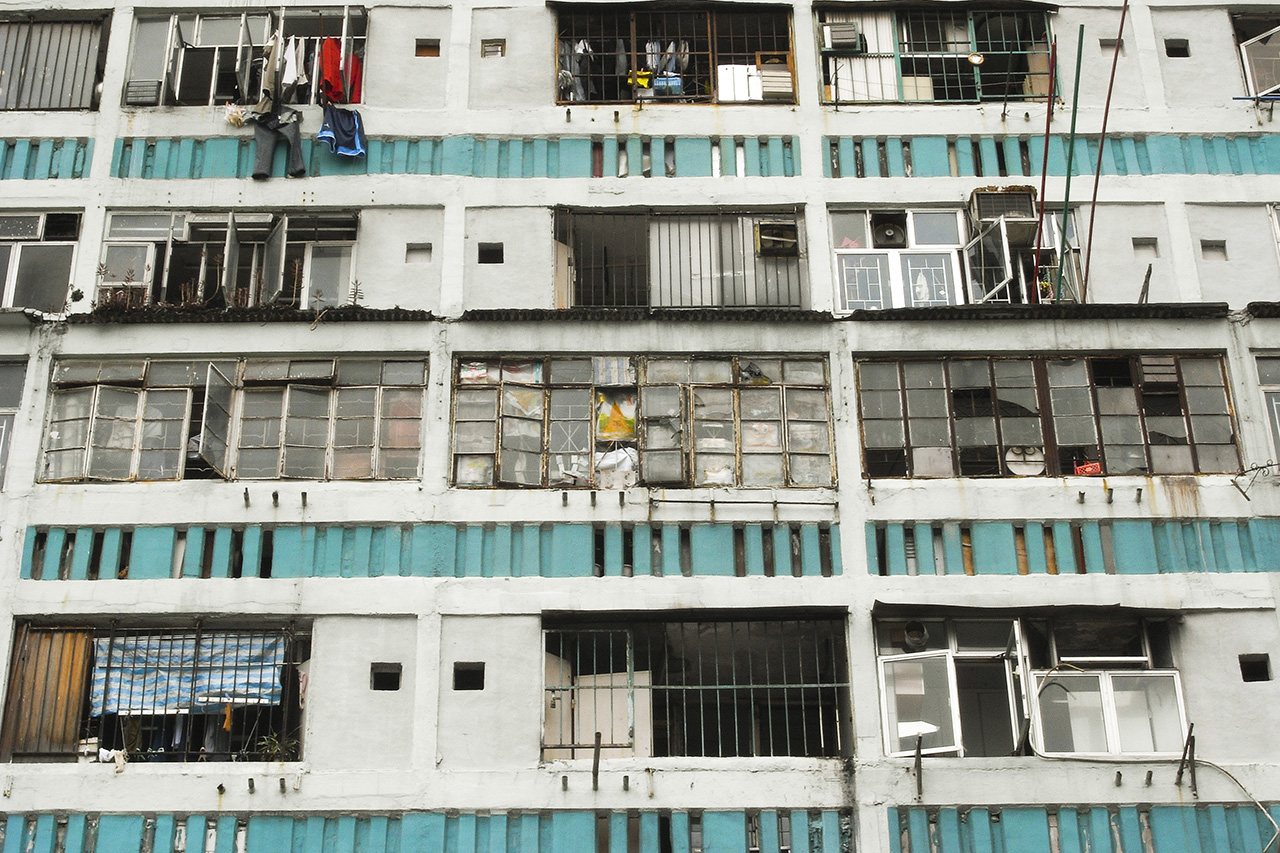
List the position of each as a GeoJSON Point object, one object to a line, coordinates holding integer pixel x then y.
{"type": "Point", "coordinates": [1010, 202]}
{"type": "Point", "coordinates": [843, 36]}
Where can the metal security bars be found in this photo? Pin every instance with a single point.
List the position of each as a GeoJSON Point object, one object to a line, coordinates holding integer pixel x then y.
{"type": "Point", "coordinates": [976, 417]}
{"type": "Point", "coordinates": [931, 56]}
{"type": "Point", "coordinates": [1072, 685]}
{"type": "Point", "coordinates": [615, 421]}
{"type": "Point", "coordinates": [667, 260]}
{"type": "Point", "coordinates": [158, 695]}
{"type": "Point", "coordinates": [674, 56]}
{"type": "Point", "coordinates": [248, 419]}
{"type": "Point", "coordinates": [50, 65]}
{"type": "Point", "coordinates": [699, 687]}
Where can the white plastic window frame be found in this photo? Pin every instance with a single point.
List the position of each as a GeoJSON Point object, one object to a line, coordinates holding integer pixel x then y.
{"type": "Point", "coordinates": [1250, 82]}
{"type": "Point", "coordinates": [1271, 398]}
{"type": "Point", "coordinates": [951, 654]}
{"type": "Point", "coordinates": [898, 293]}
{"type": "Point", "coordinates": [1110, 714]}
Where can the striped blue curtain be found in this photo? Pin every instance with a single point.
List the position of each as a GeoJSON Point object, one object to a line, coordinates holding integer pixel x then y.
{"type": "Point", "coordinates": [173, 674]}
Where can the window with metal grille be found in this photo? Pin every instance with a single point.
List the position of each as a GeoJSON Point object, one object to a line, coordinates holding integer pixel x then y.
{"type": "Point", "coordinates": [36, 252]}
{"type": "Point", "coordinates": [674, 55]}
{"type": "Point", "coordinates": [924, 55]}
{"type": "Point", "coordinates": [248, 419]}
{"type": "Point", "coordinates": [990, 417]}
{"type": "Point", "coordinates": [1069, 685]}
{"type": "Point", "coordinates": [709, 686]}
{"type": "Point", "coordinates": [686, 260]}
{"type": "Point", "coordinates": [160, 695]}
{"type": "Point", "coordinates": [51, 65]}
{"type": "Point", "coordinates": [190, 59]}
{"type": "Point", "coordinates": [613, 422]}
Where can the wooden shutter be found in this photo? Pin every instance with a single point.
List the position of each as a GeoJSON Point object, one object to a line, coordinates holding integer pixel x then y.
{"type": "Point", "coordinates": [46, 693]}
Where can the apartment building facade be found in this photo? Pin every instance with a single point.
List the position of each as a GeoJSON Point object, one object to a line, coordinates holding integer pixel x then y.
{"type": "Point", "coordinates": [690, 427]}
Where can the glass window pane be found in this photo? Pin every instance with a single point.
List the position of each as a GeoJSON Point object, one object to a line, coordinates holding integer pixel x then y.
{"type": "Point", "coordinates": [810, 470]}
{"type": "Point", "coordinates": [1147, 713]}
{"type": "Point", "coordinates": [720, 372]}
{"type": "Point", "coordinates": [660, 401]}
{"type": "Point", "coordinates": [1201, 371]}
{"type": "Point", "coordinates": [806, 438]}
{"type": "Point", "coordinates": [521, 468]}
{"type": "Point", "coordinates": [936, 229]}
{"type": "Point", "coordinates": [576, 371]}
{"type": "Point", "coordinates": [762, 470]}
{"type": "Point", "coordinates": [359, 371]}
{"type": "Point", "coordinates": [883, 433]}
{"type": "Point", "coordinates": [477, 437]}
{"type": "Point", "coordinates": [1071, 713]}
{"type": "Point", "coordinates": [403, 373]}
{"type": "Point", "coordinates": [762, 436]}
{"type": "Point", "coordinates": [478, 373]}
{"type": "Point", "coordinates": [330, 280]}
{"type": "Point", "coordinates": [571, 403]}
{"type": "Point", "coordinates": [918, 704]}
{"type": "Point", "coordinates": [712, 469]}
{"type": "Point", "coordinates": [667, 370]}
{"type": "Point", "coordinates": [878, 376]}
{"type": "Point", "coordinates": [125, 264]}
{"type": "Point", "coordinates": [849, 229]}
{"type": "Point", "coordinates": [665, 467]}
{"type": "Point", "coordinates": [928, 278]}
{"type": "Point", "coordinates": [1269, 371]}
{"type": "Point", "coordinates": [805, 404]}
{"type": "Point", "coordinates": [473, 470]}
{"type": "Point", "coordinates": [923, 374]}
{"type": "Point", "coordinates": [761, 403]}
{"type": "Point", "coordinates": [520, 434]}
{"type": "Point", "coordinates": [476, 404]}
{"type": "Point", "coordinates": [1206, 401]}
{"type": "Point", "coordinates": [44, 274]}
{"type": "Point", "coordinates": [804, 372]}
{"type": "Point", "coordinates": [522, 402]}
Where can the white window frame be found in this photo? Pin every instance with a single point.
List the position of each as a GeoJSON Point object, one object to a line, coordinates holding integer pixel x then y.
{"type": "Point", "coordinates": [1024, 704]}
{"type": "Point", "coordinates": [897, 285]}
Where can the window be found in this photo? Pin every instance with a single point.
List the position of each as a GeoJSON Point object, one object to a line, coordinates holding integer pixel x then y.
{"type": "Point", "coordinates": [613, 422]}
{"type": "Point", "coordinates": [1086, 685]}
{"type": "Point", "coordinates": [934, 56]}
{"type": "Point", "coordinates": [51, 65]}
{"type": "Point", "coordinates": [673, 55]}
{"type": "Point", "coordinates": [898, 258]}
{"type": "Point", "coordinates": [1259, 52]}
{"type": "Point", "coordinates": [1269, 378]}
{"type": "Point", "coordinates": [12, 375]}
{"type": "Point", "coordinates": [913, 258]}
{"type": "Point", "coordinates": [228, 259]}
{"type": "Point", "coordinates": [696, 687]}
{"type": "Point", "coordinates": [679, 260]}
{"type": "Point", "coordinates": [975, 417]}
{"type": "Point", "coordinates": [36, 251]}
{"type": "Point", "coordinates": [159, 695]}
{"type": "Point", "coordinates": [250, 419]}
{"type": "Point", "coordinates": [189, 59]}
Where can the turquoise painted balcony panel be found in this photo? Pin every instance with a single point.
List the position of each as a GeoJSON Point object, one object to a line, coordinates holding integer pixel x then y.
{"type": "Point", "coordinates": [1119, 547]}
{"type": "Point", "coordinates": [1205, 828]}
{"type": "Point", "coordinates": [464, 156]}
{"type": "Point", "coordinates": [432, 550]}
{"type": "Point", "coordinates": [824, 831]}
{"type": "Point", "coordinates": [44, 159]}
{"type": "Point", "coordinates": [1024, 156]}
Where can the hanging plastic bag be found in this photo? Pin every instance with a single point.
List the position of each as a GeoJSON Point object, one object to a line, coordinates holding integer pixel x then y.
{"type": "Point", "coordinates": [236, 115]}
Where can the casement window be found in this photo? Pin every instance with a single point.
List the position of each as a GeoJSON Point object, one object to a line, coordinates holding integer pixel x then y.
{"type": "Point", "coordinates": [898, 258]}
{"type": "Point", "coordinates": [36, 252]}
{"type": "Point", "coordinates": [674, 55]}
{"type": "Point", "coordinates": [685, 260]}
{"type": "Point", "coordinates": [190, 59]}
{"type": "Point", "coordinates": [251, 419]}
{"type": "Point", "coordinates": [228, 258]}
{"type": "Point", "coordinates": [51, 64]}
{"type": "Point", "coordinates": [616, 421]}
{"type": "Point", "coordinates": [686, 687]}
{"type": "Point", "coordinates": [191, 694]}
{"type": "Point", "coordinates": [1062, 686]}
{"type": "Point", "coordinates": [12, 374]}
{"type": "Point", "coordinates": [1051, 416]}
{"type": "Point", "coordinates": [934, 56]}
{"type": "Point", "coordinates": [1259, 52]}
{"type": "Point", "coordinates": [1269, 379]}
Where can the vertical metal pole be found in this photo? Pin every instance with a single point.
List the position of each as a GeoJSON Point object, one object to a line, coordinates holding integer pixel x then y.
{"type": "Point", "coordinates": [1071, 147]}
{"type": "Point", "coordinates": [1102, 145]}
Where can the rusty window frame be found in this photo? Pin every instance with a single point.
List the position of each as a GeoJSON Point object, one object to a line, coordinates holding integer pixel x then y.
{"type": "Point", "coordinates": [478, 454]}
{"type": "Point", "coordinates": [1203, 413]}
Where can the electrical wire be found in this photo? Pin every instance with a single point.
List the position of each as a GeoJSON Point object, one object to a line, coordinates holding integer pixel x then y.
{"type": "Point", "coordinates": [1118, 759]}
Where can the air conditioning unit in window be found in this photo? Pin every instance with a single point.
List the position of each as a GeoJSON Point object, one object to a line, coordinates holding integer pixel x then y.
{"type": "Point", "coordinates": [988, 205]}
{"type": "Point", "coordinates": [843, 36]}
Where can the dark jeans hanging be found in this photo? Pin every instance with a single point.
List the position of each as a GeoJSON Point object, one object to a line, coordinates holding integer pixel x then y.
{"type": "Point", "coordinates": [267, 131]}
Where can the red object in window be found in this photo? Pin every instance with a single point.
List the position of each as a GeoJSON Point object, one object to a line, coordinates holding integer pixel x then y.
{"type": "Point", "coordinates": [331, 83]}
{"type": "Point", "coordinates": [1089, 469]}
